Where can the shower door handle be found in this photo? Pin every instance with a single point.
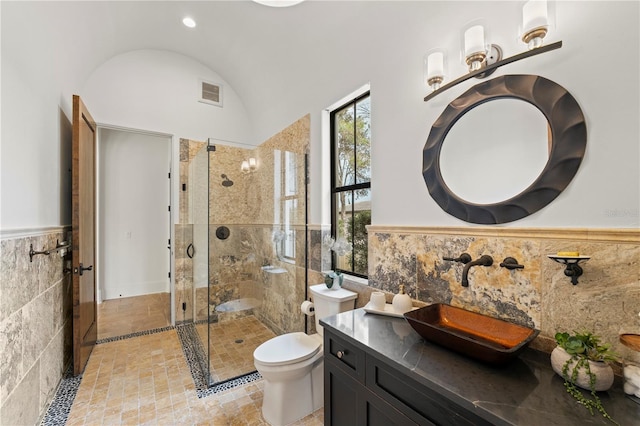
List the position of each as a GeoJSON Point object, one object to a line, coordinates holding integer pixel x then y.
{"type": "Point", "coordinates": [190, 251]}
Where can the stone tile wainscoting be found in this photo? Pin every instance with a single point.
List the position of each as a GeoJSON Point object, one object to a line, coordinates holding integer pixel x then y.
{"type": "Point", "coordinates": [606, 299]}
{"type": "Point", "coordinates": [35, 323]}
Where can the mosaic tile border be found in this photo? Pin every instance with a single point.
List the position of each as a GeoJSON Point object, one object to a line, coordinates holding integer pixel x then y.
{"type": "Point", "coordinates": [197, 361]}
{"type": "Point", "coordinates": [60, 407]}
{"type": "Point", "coordinates": [194, 353]}
{"type": "Point", "coordinates": [230, 384]}
{"type": "Point", "coordinates": [136, 334]}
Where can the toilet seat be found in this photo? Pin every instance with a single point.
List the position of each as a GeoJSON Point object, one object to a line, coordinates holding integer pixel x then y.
{"type": "Point", "coordinates": [286, 349]}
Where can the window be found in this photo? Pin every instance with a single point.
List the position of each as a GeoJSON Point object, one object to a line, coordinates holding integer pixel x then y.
{"type": "Point", "coordinates": [351, 183]}
{"type": "Point", "coordinates": [286, 211]}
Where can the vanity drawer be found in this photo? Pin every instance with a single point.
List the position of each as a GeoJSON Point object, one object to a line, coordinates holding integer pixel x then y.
{"type": "Point", "coordinates": [416, 401]}
{"type": "Point", "coordinates": [348, 357]}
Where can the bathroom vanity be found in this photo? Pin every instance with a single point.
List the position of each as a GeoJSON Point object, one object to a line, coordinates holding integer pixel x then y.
{"type": "Point", "coordinates": [379, 371]}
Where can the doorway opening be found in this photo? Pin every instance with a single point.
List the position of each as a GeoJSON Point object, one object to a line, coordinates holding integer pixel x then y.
{"type": "Point", "coordinates": [133, 218]}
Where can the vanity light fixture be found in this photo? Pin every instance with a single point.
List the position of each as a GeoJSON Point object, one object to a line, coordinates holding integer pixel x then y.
{"type": "Point", "coordinates": [483, 58]}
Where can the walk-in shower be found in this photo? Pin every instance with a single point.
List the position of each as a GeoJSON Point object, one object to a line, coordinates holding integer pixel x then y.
{"type": "Point", "coordinates": [241, 246]}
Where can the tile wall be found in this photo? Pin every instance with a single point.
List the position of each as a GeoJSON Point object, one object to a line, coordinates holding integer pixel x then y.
{"type": "Point", "coordinates": [246, 204]}
{"type": "Point", "coordinates": [606, 299]}
{"type": "Point", "coordinates": [35, 325]}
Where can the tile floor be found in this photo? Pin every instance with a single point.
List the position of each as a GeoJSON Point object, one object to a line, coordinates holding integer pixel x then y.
{"type": "Point", "coordinates": [232, 344]}
{"type": "Point", "coordinates": [126, 315]}
{"type": "Point", "coordinates": [146, 380]}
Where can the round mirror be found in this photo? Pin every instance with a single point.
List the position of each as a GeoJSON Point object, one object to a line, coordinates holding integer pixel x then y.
{"type": "Point", "coordinates": [563, 121]}
{"type": "Point", "coordinates": [516, 156]}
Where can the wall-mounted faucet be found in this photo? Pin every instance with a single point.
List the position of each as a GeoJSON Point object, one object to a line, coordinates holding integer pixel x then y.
{"type": "Point", "coordinates": [511, 263]}
{"type": "Point", "coordinates": [484, 260]}
{"type": "Point", "coordinates": [464, 258]}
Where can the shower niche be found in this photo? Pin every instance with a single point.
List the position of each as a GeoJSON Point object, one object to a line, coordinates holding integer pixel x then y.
{"type": "Point", "coordinates": [232, 223]}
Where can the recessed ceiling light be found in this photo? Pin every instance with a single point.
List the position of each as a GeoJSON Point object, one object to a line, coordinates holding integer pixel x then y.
{"type": "Point", "coordinates": [278, 3]}
{"type": "Point", "coordinates": [189, 22]}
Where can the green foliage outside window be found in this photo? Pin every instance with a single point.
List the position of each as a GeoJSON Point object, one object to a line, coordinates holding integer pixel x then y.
{"type": "Point", "coordinates": [352, 181]}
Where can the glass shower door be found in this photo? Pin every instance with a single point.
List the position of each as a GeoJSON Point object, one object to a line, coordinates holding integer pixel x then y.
{"type": "Point", "coordinates": [256, 262]}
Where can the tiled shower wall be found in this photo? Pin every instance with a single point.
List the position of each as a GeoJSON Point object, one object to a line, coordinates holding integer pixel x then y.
{"type": "Point", "coordinates": [246, 207]}
{"type": "Point", "coordinates": [35, 325]}
{"type": "Point", "coordinates": [606, 299]}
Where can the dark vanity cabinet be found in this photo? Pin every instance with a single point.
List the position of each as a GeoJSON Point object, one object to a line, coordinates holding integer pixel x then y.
{"type": "Point", "coordinates": [361, 389]}
{"type": "Point", "coordinates": [378, 371]}
{"type": "Point", "coordinates": [350, 402]}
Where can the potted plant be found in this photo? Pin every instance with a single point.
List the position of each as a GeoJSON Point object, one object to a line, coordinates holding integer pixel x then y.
{"type": "Point", "coordinates": [341, 247]}
{"type": "Point", "coordinates": [582, 360]}
{"type": "Point", "coordinates": [333, 280]}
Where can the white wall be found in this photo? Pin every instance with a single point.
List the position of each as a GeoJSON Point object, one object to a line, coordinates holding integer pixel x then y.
{"type": "Point", "coordinates": [133, 219]}
{"type": "Point", "coordinates": [43, 64]}
{"type": "Point", "coordinates": [335, 48]}
{"type": "Point", "coordinates": [605, 193]}
{"type": "Point", "coordinates": [158, 90]}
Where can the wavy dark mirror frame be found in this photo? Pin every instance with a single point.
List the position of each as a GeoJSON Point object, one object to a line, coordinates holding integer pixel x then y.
{"type": "Point", "coordinates": [568, 143]}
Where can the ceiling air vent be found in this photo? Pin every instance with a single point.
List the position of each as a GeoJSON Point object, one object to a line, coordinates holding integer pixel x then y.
{"type": "Point", "coordinates": [210, 93]}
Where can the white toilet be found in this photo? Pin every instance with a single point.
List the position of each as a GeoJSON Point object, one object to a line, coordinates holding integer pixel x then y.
{"type": "Point", "coordinates": [292, 364]}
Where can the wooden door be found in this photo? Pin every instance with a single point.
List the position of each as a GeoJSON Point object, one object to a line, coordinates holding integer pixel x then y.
{"type": "Point", "coordinates": [85, 326]}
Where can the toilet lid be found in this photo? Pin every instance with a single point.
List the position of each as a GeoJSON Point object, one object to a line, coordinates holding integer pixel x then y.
{"type": "Point", "coordinates": [286, 349]}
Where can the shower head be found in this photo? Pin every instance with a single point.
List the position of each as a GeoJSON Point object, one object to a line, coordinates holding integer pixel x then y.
{"type": "Point", "coordinates": [226, 181]}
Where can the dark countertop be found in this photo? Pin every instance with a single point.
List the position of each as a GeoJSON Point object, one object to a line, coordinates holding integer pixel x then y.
{"type": "Point", "coordinates": [523, 392]}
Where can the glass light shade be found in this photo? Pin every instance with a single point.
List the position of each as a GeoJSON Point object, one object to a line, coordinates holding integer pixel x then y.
{"type": "Point", "coordinates": [435, 64]}
{"type": "Point", "coordinates": [252, 163]}
{"type": "Point", "coordinates": [245, 166]}
{"type": "Point", "coordinates": [534, 15]}
{"type": "Point", "coordinates": [537, 20]}
{"type": "Point", "coordinates": [474, 40]}
{"type": "Point", "coordinates": [434, 68]}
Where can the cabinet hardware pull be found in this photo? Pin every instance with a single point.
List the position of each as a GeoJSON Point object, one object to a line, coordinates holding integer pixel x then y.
{"type": "Point", "coordinates": [340, 354]}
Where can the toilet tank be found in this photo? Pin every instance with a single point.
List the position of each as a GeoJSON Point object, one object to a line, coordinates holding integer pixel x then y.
{"type": "Point", "coordinates": [329, 302]}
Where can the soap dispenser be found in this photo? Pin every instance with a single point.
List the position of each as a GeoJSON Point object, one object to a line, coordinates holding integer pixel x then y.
{"type": "Point", "coordinates": [401, 301]}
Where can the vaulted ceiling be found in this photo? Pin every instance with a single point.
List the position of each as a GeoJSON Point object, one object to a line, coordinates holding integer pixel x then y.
{"type": "Point", "coordinates": [264, 53]}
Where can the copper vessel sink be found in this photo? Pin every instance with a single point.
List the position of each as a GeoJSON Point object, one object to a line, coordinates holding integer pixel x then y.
{"type": "Point", "coordinates": [475, 335]}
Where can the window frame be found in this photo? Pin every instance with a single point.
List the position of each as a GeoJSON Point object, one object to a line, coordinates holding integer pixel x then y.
{"type": "Point", "coordinates": [347, 188]}
{"type": "Point", "coordinates": [287, 228]}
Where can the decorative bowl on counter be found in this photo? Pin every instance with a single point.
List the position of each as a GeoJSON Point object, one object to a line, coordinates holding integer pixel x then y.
{"type": "Point", "coordinates": [475, 335]}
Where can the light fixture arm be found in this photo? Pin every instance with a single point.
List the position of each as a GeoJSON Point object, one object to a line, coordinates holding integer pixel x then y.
{"type": "Point", "coordinates": [492, 67]}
